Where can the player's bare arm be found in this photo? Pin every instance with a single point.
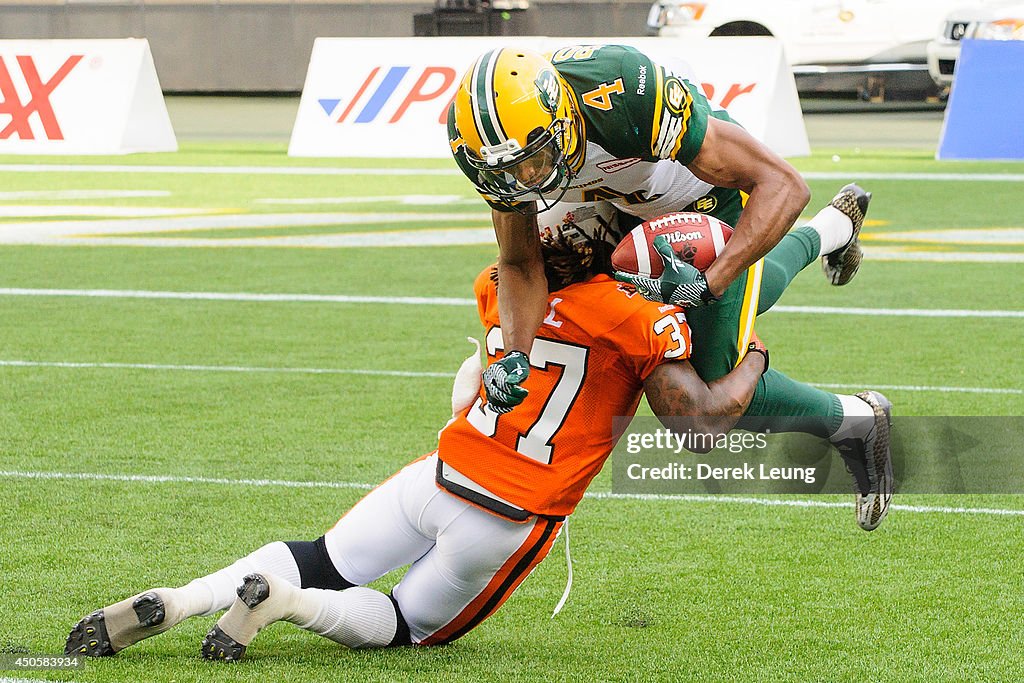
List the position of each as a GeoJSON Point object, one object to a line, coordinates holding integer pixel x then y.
{"type": "Point", "coordinates": [731, 157]}
{"type": "Point", "coordinates": [676, 390]}
{"type": "Point", "coordinates": [522, 299]}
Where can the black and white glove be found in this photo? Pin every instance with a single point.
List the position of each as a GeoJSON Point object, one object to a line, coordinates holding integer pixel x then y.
{"type": "Point", "coordinates": [680, 283]}
{"type": "Point", "coordinates": [502, 379]}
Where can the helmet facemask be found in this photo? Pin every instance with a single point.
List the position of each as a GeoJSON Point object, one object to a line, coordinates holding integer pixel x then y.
{"type": "Point", "coordinates": [514, 174]}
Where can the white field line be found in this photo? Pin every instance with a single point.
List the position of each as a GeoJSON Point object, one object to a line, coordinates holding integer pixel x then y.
{"type": "Point", "coordinates": [8, 679]}
{"type": "Point", "coordinates": [11, 233]}
{"type": "Point", "coordinates": [221, 368]}
{"type": "Point", "coordinates": [326, 170]}
{"type": "Point", "coordinates": [595, 495]}
{"type": "Point", "coordinates": [407, 199]}
{"type": "Point", "coordinates": [899, 312]}
{"type": "Point", "coordinates": [175, 479]}
{"type": "Point", "coordinates": [935, 177]}
{"type": "Point", "coordinates": [926, 255]}
{"type": "Point", "coordinates": [222, 170]}
{"type": "Point", "coordinates": [17, 363]}
{"type": "Point", "coordinates": [442, 237]}
{"type": "Point", "coordinates": [240, 296]}
{"type": "Point", "coordinates": [969, 236]}
{"type": "Point", "coordinates": [454, 301]}
{"type": "Point", "coordinates": [80, 194]}
{"type": "Point", "coordinates": [921, 387]}
{"type": "Point", "coordinates": [60, 210]}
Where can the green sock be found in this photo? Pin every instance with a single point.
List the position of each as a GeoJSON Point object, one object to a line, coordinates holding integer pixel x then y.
{"type": "Point", "coordinates": [790, 406]}
{"type": "Point", "coordinates": [796, 251]}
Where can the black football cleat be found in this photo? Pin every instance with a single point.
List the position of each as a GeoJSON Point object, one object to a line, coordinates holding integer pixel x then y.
{"type": "Point", "coordinates": [842, 264]}
{"type": "Point", "coordinates": [869, 460]}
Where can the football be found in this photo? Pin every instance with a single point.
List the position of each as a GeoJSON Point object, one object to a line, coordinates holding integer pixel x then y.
{"type": "Point", "coordinates": [695, 238]}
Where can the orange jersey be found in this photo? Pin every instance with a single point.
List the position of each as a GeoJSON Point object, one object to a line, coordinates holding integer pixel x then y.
{"type": "Point", "coordinates": [592, 353]}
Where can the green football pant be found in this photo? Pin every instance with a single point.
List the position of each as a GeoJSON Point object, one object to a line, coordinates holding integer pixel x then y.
{"type": "Point", "coordinates": [721, 332]}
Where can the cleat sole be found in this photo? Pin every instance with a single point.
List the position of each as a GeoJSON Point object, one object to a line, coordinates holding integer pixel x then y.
{"type": "Point", "coordinates": [220, 647]}
{"type": "Point", "coordinates": [254, 590]}
{"type": "Point", "coordinates": [89, 637]}
{"type": "Point", "coordinates": [149, 609]}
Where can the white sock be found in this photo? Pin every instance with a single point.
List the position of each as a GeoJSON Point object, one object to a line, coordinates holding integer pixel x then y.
{"type": "Point", "coordinates": [858, 419]}
{"type": "Point", "coordinates": [833, 227]}
{"type": "Point", "coordinates": [355, 617]}
{"type": "Point", "coordinates": [215, 592]}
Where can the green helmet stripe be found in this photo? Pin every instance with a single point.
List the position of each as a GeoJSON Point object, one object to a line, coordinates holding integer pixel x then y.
{"type": "Point", "coordinates": [487, 123]}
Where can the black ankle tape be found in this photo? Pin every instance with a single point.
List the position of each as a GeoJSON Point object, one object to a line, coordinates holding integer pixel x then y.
{"type": "Point", "coordinates": [402, 636]}
{"type": "Point", "coordinates": [315, 567]}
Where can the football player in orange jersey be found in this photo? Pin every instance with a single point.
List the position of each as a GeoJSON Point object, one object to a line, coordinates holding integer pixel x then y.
{"type": "Point", "coordinates": [477, 515]}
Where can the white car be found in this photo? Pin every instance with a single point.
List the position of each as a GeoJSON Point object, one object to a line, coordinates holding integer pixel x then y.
{"type": "Point", "coordinates": [983, 21]}
{"type": "Point", "coordinates": [814, 32]}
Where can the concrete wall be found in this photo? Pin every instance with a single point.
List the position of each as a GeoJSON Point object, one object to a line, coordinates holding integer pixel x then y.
{"type": "Point", "coordinates": [264, 46]}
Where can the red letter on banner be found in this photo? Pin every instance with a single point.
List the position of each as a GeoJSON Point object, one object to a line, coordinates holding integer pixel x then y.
{"type": "Point", "coordinates": [417, 94]}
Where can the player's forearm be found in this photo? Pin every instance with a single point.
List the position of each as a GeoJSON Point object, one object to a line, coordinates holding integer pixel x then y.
{"type": "Point", "coordinates": [522, 299]}
{"type": "Point", "coordinates": [522, 285]}
{"type": "Point", "coordinates": [731, 395]}
{"type": "Point", "coordinates": [675, 390]}
{"type": "Point", "coordinates": [772, 209]}
{"type": "Point", "coordinates": [731, 157]}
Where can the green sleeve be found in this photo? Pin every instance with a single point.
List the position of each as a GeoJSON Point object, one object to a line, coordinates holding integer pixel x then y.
{"type": "Point", "coordinates": [633, 107]}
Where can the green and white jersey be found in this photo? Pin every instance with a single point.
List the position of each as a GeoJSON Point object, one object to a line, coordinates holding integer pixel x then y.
{"type": "Point", "coordinates": [642, 124]}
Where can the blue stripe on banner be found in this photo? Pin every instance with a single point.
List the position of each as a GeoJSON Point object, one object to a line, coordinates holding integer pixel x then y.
{"type": "Point", "coordinates": [384, 91]}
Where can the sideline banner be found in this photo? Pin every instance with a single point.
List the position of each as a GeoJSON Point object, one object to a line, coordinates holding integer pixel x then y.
{"type": "Point", "coordinates": [387, 97]}
{"type": "Point", "coordinates": [985, 115]}
{"type": "Point", "coordinates": [81, 97]}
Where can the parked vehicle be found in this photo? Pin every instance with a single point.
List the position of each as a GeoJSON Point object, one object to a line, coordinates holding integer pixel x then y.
{"type": "Point", "coordinates": [981, 21]}
{"type": "Point", "coordinates": [826, 32]}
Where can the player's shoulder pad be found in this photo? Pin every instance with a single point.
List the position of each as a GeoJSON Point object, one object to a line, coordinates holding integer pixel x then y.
{"type": "Point", "coordinates": [613, 87]}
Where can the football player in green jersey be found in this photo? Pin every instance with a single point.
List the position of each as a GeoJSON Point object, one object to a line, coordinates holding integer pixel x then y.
{"type": "Point", "coordinates": [593, 140]}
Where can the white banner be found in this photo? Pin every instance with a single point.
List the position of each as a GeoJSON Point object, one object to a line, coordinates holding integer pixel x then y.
{"type": "Point", "coordinates": [387, 97]}
{"type": "Point", "coordinates": [81, 97]}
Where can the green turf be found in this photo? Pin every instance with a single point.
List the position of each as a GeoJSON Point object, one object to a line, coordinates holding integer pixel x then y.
{"type": "Point", "coordinates": [664, 590]}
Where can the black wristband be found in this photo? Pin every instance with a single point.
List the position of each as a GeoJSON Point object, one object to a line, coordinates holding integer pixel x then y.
{"type": "Point", "coordinates": [764, 352]}
{"type": "Point", "coordinates": [707, 297]}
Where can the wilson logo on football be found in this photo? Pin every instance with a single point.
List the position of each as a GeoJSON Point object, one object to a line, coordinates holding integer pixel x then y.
{"type": "Point", "coordinates": [373, 94]}
{"type": "Point", "coordinates": [677, 236]}
{"type": "Point", "coordinates": [39, 91]}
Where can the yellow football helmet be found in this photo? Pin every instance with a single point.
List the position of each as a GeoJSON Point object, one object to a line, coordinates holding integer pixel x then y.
{"type": "Point", "coordinates": [516, 127]}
